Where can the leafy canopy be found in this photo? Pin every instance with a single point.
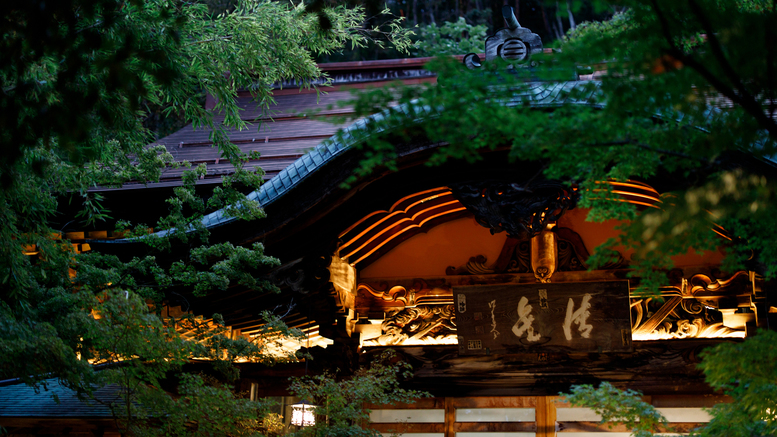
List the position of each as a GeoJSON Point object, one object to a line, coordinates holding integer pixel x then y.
{"type": "Point", "coordinates": [451, 38]}
{"type": "Point", "coordinates": [340, 401]}
{"type": "Point", "coordinates": [683, 97]}
{"type": "Point", "coordinates": [79, 79]}
{"type": "Point", "coordinates": [740, 370]}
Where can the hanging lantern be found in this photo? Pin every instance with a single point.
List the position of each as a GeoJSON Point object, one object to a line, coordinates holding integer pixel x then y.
{"type": "Point", "coordinates": [303, 414]}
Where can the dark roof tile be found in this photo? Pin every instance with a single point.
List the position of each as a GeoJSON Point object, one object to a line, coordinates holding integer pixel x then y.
{"type": "Point", "coordinates": [21, 400]}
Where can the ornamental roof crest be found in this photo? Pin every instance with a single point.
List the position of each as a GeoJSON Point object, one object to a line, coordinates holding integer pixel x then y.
{"type": "Point", "coordinates": [513, 43]}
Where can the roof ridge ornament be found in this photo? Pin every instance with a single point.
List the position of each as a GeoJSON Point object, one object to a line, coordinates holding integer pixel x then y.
{"type": "Point", "coordinates": [513, 43]}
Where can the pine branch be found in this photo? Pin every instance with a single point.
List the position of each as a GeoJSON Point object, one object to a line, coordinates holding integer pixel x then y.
{"type": "Point", "coordinates": [740, 96]}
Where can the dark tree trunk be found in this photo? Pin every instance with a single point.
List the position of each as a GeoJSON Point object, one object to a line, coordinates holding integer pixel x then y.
{"type": "Point", "coordinates": [497, 21]}
{"type": "Point", "coordinates": [463, 7]}
{"type": "Point", "coordinates": [545, 20]}
{"type": "Point", "coordinates": [559, 23]}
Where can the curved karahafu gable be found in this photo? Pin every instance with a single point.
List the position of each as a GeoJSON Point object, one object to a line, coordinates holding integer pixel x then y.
{"type": "Point", "coordinates": [480, 264]}
{"type": "Point", "coordinates": [311, 220]}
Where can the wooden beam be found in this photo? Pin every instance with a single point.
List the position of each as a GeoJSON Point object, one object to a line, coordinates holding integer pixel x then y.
{"type": "Point", "coordinates": [495, 402]}
{"type": "Point", "coordinates": [495, 427]}
{"type": "Point", "coordinates": [450, 417]}
{"type": "Point", "coordinates": [545, 416]}
{"type": "Point", "coordinates": [689, 401]}
{"type": "Point", "coordinates": [402, 428]}
{"type": "Point", "coordinates": [585, 427]}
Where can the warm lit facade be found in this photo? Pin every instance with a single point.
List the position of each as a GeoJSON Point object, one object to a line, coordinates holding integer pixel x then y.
{"type": "Point", "coordinates": [397, 260]}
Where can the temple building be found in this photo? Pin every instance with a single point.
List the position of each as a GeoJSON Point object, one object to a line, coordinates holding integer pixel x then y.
{"type": "Point", "coordinates": [475, 274]}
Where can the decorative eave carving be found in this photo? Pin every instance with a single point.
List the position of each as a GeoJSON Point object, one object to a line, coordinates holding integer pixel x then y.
{"type": "Point", "coordinates": [523, 211]}
{"type": "Point", "coordinates": [701, 305]}
{"type": "Point", "coordinates": [342, 275]}
{"type": "Point", "coordinates": [404, 296]}
{"type": "Point", "coordinates": [422, 325]}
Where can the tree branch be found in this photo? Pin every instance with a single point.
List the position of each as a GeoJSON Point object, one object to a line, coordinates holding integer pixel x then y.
{"type": "Point", "coordinates": [741, 98]}
{"type": "Point", "coordinates": [770, 42]}
{"type": "Point", "coordinates": [648, 147]}
{"type": "Point", "coordinates": [217, 38]}
{"type": "Point", "coordinates": [95, 24]}
{"type": "Point", "coordinates": [717, 50]}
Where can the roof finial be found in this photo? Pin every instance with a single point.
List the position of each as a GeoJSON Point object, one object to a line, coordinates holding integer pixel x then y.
{"type": "Point", "coordinates": [509, 16]}
{"type": "Point", "coordinates": [514, 44]}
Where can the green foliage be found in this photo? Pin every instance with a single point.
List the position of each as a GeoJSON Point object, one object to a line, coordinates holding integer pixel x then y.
{"type": "Point", "coordinates": [204, 408]}
{"type": "Point", "coordinates": [341, 400]}
{"type": "Point", "coordinates": [452, 38]}
{"type": "Point", "coordinates": [683, 97]}
{"type": "Point", "coordinates": [272, 425]}
{"type": "Point", "coordinates": [618, 406]}
{"type": "Point", "coordinates": [78, 79]}
{"type": "Point", "coordinates": [743, 371]}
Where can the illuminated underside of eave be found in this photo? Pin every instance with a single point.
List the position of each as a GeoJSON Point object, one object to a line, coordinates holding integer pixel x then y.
{"type": "Point", "coordinates": [381, 231]}
{"type": "Point", "coordinates": [274, 345]}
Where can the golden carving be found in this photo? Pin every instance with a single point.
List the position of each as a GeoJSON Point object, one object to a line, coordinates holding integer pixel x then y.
{"type": "Point", "coordinates": [342, 275]}
{"type": "Point", "coordinates": [396, 293]}
{"type": "Point", "coordinates": [708, 291]}
{"type": "Point", "coordinates": [657, 318]}
{"type": "Point", "coordinates": [423, 325]}
{"type": "Point", "coordinates": [693, 328]}
{"type": "Point", "coordinates": [703, 283]}
{"type": "Point", "coordinates": [698, 306]}
{"type": "Point", "coordinates": [407, 293]}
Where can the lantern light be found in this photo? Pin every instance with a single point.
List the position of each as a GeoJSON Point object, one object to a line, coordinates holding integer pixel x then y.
{"type": "Point", "coordinates": [303, 414]}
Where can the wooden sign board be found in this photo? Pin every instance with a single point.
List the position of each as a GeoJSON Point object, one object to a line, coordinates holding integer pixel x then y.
{"type": "Point", "coordinates": [519, 318]}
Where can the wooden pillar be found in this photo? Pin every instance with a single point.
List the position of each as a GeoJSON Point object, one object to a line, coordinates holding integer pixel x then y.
{"type": "Point", "coordinates": [545, 416]}
{"type": "Point", "coordinates": [450, 418]}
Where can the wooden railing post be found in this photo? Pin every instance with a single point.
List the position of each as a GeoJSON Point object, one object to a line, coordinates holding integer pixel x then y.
{"type": "Point", "coordinates": [545, 416]}
{"type": "Point", "coordinates": [450, 418]}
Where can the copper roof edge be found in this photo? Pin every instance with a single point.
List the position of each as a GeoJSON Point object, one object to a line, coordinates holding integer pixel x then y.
{"type": "Point", "coordinates": [380, 64]}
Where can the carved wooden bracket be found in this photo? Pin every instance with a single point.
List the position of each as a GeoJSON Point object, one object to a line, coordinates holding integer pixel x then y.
{"type": "Point", "coordinates": [521, 210]}
{"type": "Point", "coordinates": [701, 306]}
{"type": "Point", "coordinates": [406, 295]}
{"type": "Point", "coordinates": [427, 324]}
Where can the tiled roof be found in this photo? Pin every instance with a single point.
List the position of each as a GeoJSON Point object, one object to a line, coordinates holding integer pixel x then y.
{"type": "Point", "coordinates": [289, 129]}
{"type": "Point", "coordinates": [280, 139]}
{"type": "Point", "coordinates": [21, 400]}
{"type": "Point", "coordinates": [291, 169]}
{"type": "Point", "coordinates": [539, 94]}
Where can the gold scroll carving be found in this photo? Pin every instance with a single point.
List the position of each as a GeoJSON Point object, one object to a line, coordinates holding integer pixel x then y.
{"type": "Point", "coordinates": [699, 306]}
{"type": "Point", "coordinates": [422, 325]}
